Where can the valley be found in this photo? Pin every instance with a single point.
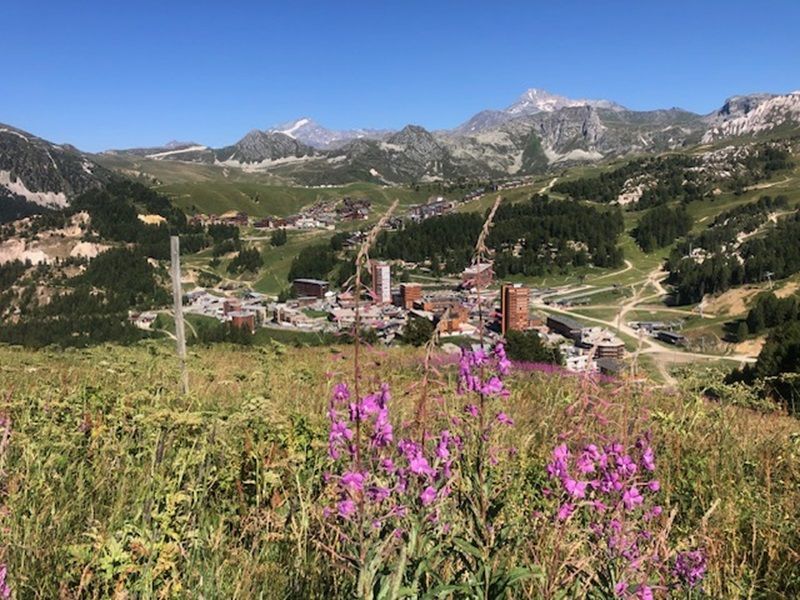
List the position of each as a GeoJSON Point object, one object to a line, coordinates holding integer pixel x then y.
{"type": "Point", "coordinates": [400, 301]}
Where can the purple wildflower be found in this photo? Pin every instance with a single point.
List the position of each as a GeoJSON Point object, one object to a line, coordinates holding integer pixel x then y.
{"type": "Point", "coordinates": [504, 419]}
{"type": "Point", "coordinates": [5, 591]}
{"type": "Point", "coordinates": [575, 488]}
{"type": "Point", "coordinates": [353, 480]}
{"type": "Point", "coordinates": [690, 567]}
{"type": "Point", "coordinates": [648, 460]}
{"type": "Point", "coordinates": [428, 495]}
{"type": "Point", "coordinates": [378, 493]}
{"type": "Point", "coordinates": [419, 466]}
{"type": "Point", "coordinates": [632, 498]}
{"type": "Point", "coordinates": [346, 508]}
{"type": "Point", "coordinates": [565, 511]}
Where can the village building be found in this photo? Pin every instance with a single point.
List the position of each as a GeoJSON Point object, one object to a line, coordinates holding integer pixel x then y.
{"type": "Point", "coordinates": [310, 287]}
{"type": "Point", "coordinates": [514, 308]}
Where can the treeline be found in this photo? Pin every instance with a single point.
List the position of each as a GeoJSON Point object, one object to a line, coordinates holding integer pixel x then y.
{"type": "Point", "coordinates": [248, 259]}
{"type": "Point", "coordinates": [671, 176]}
{"type": "Point", "coordinates": [543, 236]}
{"type": "Point", "coordinates": [527, 346]}
{"type": "Point", "coordinates": [726, 227]}
{"type": "Point", "coordinates": [661, 226]}
{"type": "Point", "coordinates": [114, 212]}
{"type": "Point", "coordinates": [92, 307]}
{"type": "Point", "coordinates": [679, 177]}
{"type": "Point", "coordinates": [769, 311]}
{"type": "Point", "coordinates": [323, 261]}
{"type": "Point", "coordinates": [777, 366]}
{"type": "Point", "coordinates": [775, 255]}
{"type": "Point", "coordinates": [13, 208]}
{"type": "Point", "coordinates": [531, 238]}
{"type": "Point", "coordinates": [446, 239]}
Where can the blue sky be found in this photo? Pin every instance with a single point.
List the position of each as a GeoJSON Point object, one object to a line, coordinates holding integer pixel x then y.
{"type": "Point", "coordinates": [112, 74]}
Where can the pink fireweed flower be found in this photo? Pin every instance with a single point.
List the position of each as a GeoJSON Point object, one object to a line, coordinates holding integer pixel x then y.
{"type": "Point", "coordinates": [428, 495]}
{"type": "Point", "coordinates": [652, 513]}
{"type": "Point", "coordinates": [632, 498]}
{"type": "Point", "coordinates": [493, 387]}
{"type": "Point", "coordinates": [648, 460]}
{"type": "Point", "coordinates": [353, 480]}
{"type": "Point", "coordinates": [472, 410]}
{"type": "Point", "coordinates": [654, 485]}
{"type": "Point", "coordinates": [341, 393]}
{"type": "Point", "coordinates": [504, 419]}
{"type": "Point", "coordinates": [377, 493]}
{"type": "Point", "coordinates": [5, 591]}
{"type": "Point", "coordinates": [690, 567]}
{"type": "Point", "coordinates": [419, 466]}
{"type": "Point", "coordinates": [645, 592]}
{"type": "Point", "coordinates": [585, 463]}
{"type": "Point", "coordinates": [621, 588]}
{"type": "Point", "coordinates": [408, 448]}
{"type": "Point", "coordinates": [576, 489]}
{"type": "Point", "coordinates": [565, 511]}
{"type": "Point", "coordinates": [442, 450]}
{"type": "Point", "coordinates": [369, 405]}
{"type": "Point", "coordinates": [383, 433]}
{"type": "Point", "coordinates": [339, 435]}
{"type": "Point", "coordinates": [626, 465]}
{"type": "Point", "coordinates": [346, 508]}
{"type": "Point", "coordinates": [561, 452]}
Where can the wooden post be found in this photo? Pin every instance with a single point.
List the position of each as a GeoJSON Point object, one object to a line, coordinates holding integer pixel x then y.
{"type": "Point", "coordinates": [177, 298]}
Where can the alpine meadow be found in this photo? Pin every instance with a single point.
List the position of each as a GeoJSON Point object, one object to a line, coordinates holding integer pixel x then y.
{"type": "Point", "coordinates": [451, 337]}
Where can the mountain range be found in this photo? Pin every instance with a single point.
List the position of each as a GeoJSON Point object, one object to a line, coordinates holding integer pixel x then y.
{"type": "Point", "coordinates": [537, 132]}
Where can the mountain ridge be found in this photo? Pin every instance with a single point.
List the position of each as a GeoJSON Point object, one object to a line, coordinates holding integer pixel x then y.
{"type": "Point", "coordinates": [537, 132]}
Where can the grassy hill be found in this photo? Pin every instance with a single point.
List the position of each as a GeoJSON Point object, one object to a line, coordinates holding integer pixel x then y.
{"type": "Point", "coordinates": [114, 485]}
{"type": "Point", "coordinates": [211, 189]}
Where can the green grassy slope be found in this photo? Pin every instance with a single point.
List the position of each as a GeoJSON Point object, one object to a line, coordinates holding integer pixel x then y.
{"type": "Point", "coordinates": [116, 486]}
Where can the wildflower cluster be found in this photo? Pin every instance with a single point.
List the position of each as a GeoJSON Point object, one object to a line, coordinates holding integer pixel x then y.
{"type": "Point", "coordinates": [385, 476]}
{"type": "Point", "coordinates": [473, 367]}
{"type": "Point", "coordinates": [690, 568]}
{"type": "Point", "coordinates": [611, 490]}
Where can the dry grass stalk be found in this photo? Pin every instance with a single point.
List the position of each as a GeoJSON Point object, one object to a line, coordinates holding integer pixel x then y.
{"type": "Point", "coordinates": [481, 251]}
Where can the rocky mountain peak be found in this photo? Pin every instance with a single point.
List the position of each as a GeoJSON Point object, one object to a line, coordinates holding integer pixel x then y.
{"type": "Point", "coordinates": [537, 100]}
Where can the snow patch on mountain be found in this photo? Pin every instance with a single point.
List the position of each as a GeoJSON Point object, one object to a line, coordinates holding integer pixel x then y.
{"type": "Point", "coordinates": [311, 133]}
{"type": "Point", "coordinates": [537, 100]}
{"type": "Point", "coordinates": [159, 155]}
{"type": "Point", "coordinates": [263, 165]}
{"type": "Point", "coordinates": [292, 129]}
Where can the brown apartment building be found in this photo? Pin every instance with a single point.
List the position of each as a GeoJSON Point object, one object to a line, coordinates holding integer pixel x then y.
{"type": "Point", "coordinates": [514, 307]}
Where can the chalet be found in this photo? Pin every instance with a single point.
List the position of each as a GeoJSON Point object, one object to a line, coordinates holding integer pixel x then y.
{"type": "Point", "coordinates": [670, 337]}
{"type": "Point", "coordinates": [566, 326]}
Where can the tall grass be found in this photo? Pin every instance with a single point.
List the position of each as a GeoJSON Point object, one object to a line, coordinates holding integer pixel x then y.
{"type": "Point", "coordinates": [118, 487]}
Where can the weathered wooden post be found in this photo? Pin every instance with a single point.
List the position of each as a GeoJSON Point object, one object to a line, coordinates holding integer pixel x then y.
{"type": "Point", "coordinates": [177, 298]}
